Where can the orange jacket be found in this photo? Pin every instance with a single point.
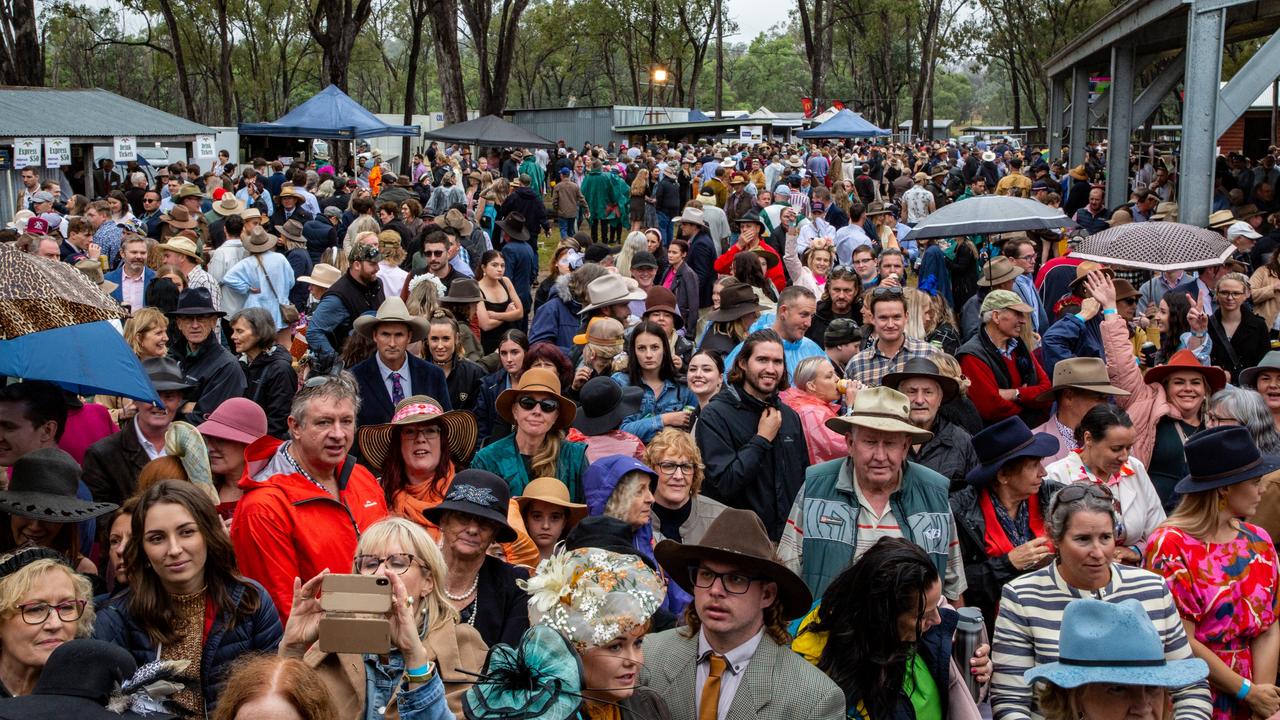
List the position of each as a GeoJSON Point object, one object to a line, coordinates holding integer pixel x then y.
{"type": "Point", "coordinates": [286, 526]}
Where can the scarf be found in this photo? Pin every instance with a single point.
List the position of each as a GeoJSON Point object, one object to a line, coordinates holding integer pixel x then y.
{"type": "Point", "coordinates": [414, 499]}
{"type": "Point", "coordinates": [998, 542]}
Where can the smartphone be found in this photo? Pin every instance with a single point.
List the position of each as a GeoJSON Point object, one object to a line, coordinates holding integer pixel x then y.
{"type": "Point", "coordinates": [355, 618]}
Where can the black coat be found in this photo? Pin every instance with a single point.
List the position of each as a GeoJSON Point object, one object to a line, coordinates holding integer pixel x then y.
{"type": "Point", "coordinates": [464, 384]}
{"type": "Point", "coordinates": [112, 465]}
{"type": "Point", "coordinates": [272, 384]}
{"type": "Point", "coordinates": [376, 407]}
{"type": "Point", "coordinates": [1251, 341]}
{"type": "Point", "coordinates": [489, 425]}
{"type": "Point", "coordinates": [218, 374]}
{"type": "Point", "coordinates": [743, 470]}
{"type": "Point", "coordinates": [302, 264]}
{"type": "Point", "coordinates": [320, 235]}
{"type": "Point", "coordinates": [526, 202]}
{"type": "Point", "coordinates": [949, 453]}
{"type": "Point", "coordinates": [688, 294]}
{"type": "Point", "coordinates": [277, 217]}
{"type": "Point", "coordinates": [702, 260]}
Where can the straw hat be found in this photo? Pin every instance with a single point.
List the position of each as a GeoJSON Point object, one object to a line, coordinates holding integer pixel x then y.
{"type": "Point", "coordinates": [1221, 219]}
{"type": "Point", "coordinates": [228, 205]}
{"type": "Point", "coordinates": [459, 426]}
{"type": "Point", "coordinates": [883, 409]}
{"type": "Point", "coordinates": [182, 246]}
{"type": "Point", "coordinates": [322, 275]}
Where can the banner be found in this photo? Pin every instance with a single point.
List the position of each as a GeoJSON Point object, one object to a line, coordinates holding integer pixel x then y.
{"type": "Point", "coordinates": [750, 133]}
{"type": "Point", "coordinates": [837, 104]}
{"type": "Point", "coordinates": [126, 149]}
{"type": "Point", "coordinates": [807, 105]}
{"type": "Point", "coordinates": [57, 152]}
{"type": "Point", "coordinates": [26, 153]}
{"type": "Point", "coordinates": [205, 146]}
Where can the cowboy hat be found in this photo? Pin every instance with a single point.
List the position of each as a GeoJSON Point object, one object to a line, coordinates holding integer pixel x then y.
{"type": "Point", "coordinates": [693, 216]}
{"type": "Point", "coordinates": [92, 269]}
{"type": "Point", "coordinates": [1270, 361]}
{"type": "Point", "coordinates": [553, 492]}
{"type": "Point", "coordinates": [922, 367]}
{"type": "Point", "coordinates": [322, 275]}
{"type": "Point", "coordinates": [43, 486]}
{"type": "Point", "coordinates": [1113, 643]}
{"type": "Point", "coordinates": [514, 226]}
{"type": "Point", "coordinates": [1166, 210]}
{"type": "Point", "coordinates": [1004, 441]}
{"type": "Point", "coordinates": [604, 404]}
{"type": "Point", "coordinates": [736, 299]}
{"type": "Point", "coordinates": [751, 216]}
{"type": "Point", "coordinates": [292, 230]}
{"type": "Point", "coordinates": [392, 310]}
{"type": "Point", "coordinates": [795, 162]}
{"type": "Point", "coordinates": [237, 419]}
{"type": "Point", "coordinates": [660, 298]}
{"type": "Point", "coordinates": [187, 190]}
{"type": "Point", "coordinates": [196, 301]}
{"type": "Point", "coordinates": [999, 269]}
{"type": "Point", "coordinates": [1186, 361]}
{"type": "Point", "coordinates": [260, 241]}
{"type": "Point", "coordinates": [988, 156]}
{"type": "Point", "coordinates": [289, 191]}
{"type": "Point", "coordinates": [880, 408]}
{"type": "Point", "coordinates": [537, 380]}
{"type": "Point", "coordinates": [611, 289]}
{"type": "Point", "coordinates": [374, 441]}
{"type": "Point", "coordinates": [453, 218]}
{"type": "Point", "coordinates": [878, 208]}
{"type": "Point", "coordinates": [463, 290]}
{"type": "Point", "coordinates": [601, 331]}
{"type": "Point", "coordinates": [478, 493]}
{"type": "Point", "coordinates": [1081, 373]}
{"type": "Point", "coordinates": [228, 205]}
{"type": "Point", "coordinates": [251, 214]}
{"type": "Point", "coordinates": [771, 259]}
{"type": "Point", "coordinates": [736, 537]}
{"type": "Point", "coordinates": [182, 246]}
{"type": "Point", "coordinates": [1082, 272]}
{"type": "Point", "coordinates": [180, 217]}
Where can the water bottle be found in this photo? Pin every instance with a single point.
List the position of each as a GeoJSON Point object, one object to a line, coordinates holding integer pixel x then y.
{"type": "Point", "coordinates": [971, 633]}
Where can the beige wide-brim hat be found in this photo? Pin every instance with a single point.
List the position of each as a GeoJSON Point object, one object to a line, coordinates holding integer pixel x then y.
{"type": "Point", "coordinates": [182, 246]}
{"type": "Point", "coordinates": [1082, 374]}
{"type": "Point", "coordinates": [459, 427]}
{"type": "Point", "coordinates": [259, 241]}
{"type": "Point", "coordinates": [611, 289]}
{"type": "Point", "coordinates": [537, 380]}
{"type": "Point", "coordinates": [553, 492]}
{"type": "Point", "coordinates": [883, 409]}
{"type": "Point", "coordinates": [392, 310]}
{"type": "Point", "coordinates": [999, 269]}
{"type": "Point", "coordinates": [228, 205]}
{"type": "Point", "coordinates": [322, 275]}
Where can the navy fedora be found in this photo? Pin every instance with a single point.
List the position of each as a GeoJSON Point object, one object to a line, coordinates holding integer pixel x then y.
{"type": "Point", "coordinates": [1007, 440]}
{"type": "Point", "coordinates": [1223, 456]}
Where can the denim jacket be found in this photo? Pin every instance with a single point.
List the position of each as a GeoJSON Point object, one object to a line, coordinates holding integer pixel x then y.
{"type": "Point", "coordinates": [383, 683]}
{"type": "Point", "coordinates": [648, 422]}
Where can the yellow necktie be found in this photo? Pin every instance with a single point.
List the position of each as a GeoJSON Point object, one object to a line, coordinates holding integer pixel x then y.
{"type": "Point", "coordinates": [709, 705]}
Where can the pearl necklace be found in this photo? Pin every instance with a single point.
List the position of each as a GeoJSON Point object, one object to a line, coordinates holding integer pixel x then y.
{"type": "Point", "coordinates": [465, 595]}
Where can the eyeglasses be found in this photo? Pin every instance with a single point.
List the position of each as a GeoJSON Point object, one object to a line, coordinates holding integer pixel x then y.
{"type": "Point", "coordinates": [398, 563]}
{"type": "Point", "coordinates": [1028, 257]}
{"type": "Point", "coordinates": [886, 291]}
{"type": "Point", "coordinates": [529, 402]}
{"type": "Point", "coordinates": [1217, 419]}
{"type": "Point", "coordinates": [670, 468]}
{"type": "Point", "coordinates": [1229, 294]}
{"type": "Point", "coordinates": [433, 253]}
{"type": "Point", "coordinates": [416, 431]}
{"type": "Point", "coordinates": [733, 583]}
{"type": "Point", "coordinates": [37, 612]}
{"type": "Point", "coordinates": [1079, 491]}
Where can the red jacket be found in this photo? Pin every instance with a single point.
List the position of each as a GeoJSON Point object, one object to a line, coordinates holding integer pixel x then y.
{"type": "Point", "coordinates": [724, 264]}
{"type": "Point", "coordinates": [285, 526]}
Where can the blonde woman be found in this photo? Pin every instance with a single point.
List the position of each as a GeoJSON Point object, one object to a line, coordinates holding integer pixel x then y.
{"type": "Point", "coordinates": [635, 242]}
{"type": "Point", "coordinates": [392, 276]}
{"type": "Point", "coordinates": [147, 333]}
{"type": "Point", "coordinates": [810, 268]}
{"type": "Point", "coordinates": [45, 604]}
{"type": "Point", "coordinates": [363, 225]}
{"type": "Point", "coordinates": [639, 199]}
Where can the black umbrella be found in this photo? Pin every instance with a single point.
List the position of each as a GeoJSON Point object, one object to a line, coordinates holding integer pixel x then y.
{"type": "Point", "coordinates": [987, 214]}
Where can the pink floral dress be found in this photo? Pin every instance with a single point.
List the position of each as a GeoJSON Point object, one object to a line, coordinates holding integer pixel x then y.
{"type": "Point", "coordinates": [1227, 589]}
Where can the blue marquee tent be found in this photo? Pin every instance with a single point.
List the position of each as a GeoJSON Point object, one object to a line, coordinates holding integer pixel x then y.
{"type": "Point", "coordinates": [330, 115]}
{"type": "Point", "coordinates": [844, 124]}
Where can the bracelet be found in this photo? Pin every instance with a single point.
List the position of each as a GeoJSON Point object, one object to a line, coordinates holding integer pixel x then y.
{"type": "Point", "coordinates": [420, 672]}
{"type": "Point", "coordinates": [1200, 334]}
{"type": "Point", "coordinates": [1245, 687]}
{"type": "Point", "coordinates": [1109, 311]}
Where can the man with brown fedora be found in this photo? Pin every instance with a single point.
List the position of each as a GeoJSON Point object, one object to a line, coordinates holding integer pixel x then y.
{"type": "Point", "coordinates": [1079, 384]}
{"type": "Point", "coordinates": [950, 451]}
{"type": "Point", "coordinates": [733, 659]}
{"type": "Point", "coordinates": [393, 373]}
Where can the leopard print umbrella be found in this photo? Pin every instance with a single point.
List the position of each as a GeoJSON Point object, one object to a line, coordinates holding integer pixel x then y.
{"type": "Point", "coordinates": [40, 294]}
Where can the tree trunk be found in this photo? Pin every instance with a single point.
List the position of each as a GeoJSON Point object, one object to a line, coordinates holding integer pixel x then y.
{"type": "Point", "coordinates": [21, 59]}
{"type": "Point", "coordinates": [495, 66]}
{"type": "Point", "coordinates": [444, 41]}
{"type": "Point", "coordinates": [225, 78]}
{"type": "Point", "coordinates": [1017, 92]}
{"type": "Point", "coordinates": [179, 59]}
{"type": "Point", "coordinates": [719, 59]}
{"type": "Point", "coordinates": [418, 10]}
{"type": "Point", "coordinates": [334, 25]}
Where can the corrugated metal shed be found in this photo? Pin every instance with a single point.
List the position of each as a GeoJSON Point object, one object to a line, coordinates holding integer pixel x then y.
{"type": "Point", "coordinates": [86, 115]}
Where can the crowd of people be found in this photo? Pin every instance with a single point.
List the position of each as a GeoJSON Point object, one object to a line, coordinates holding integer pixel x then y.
{"type": "Point", "coordinates": [741, 448]}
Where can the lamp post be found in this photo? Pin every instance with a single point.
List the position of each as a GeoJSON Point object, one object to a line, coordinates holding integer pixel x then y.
{"type": "Point", "coordinates": [657, 77]}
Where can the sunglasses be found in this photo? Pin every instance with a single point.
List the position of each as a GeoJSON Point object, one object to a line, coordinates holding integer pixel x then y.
{"type": "Point", "coordinates": [433, 253]}
{"type": "Point", "coordinates": [1079, 491]}
{"type": "Point", "coordinates": [547, 405]}
{"type": "Point", "coordinates": [886, 291]}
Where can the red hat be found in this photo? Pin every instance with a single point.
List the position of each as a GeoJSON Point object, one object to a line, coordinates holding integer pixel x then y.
{"type": "Point", "coordinates": [236, 419]}
{"type": "Point", "coordinates": [1185, 360]}
{"type": "Point", "coordinates": [218, 193]}
{"type": "Point", "coordinates": [38, 226]}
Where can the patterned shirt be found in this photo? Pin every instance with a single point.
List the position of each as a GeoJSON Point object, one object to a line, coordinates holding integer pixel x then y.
{"type": "Point", "coordinates": [870, 365]}
{"type": "Point", "coordinates": [108, 236]}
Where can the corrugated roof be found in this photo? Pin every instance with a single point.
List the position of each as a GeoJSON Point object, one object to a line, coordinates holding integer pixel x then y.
{"type": "Point", "coordinates": [87, 113]}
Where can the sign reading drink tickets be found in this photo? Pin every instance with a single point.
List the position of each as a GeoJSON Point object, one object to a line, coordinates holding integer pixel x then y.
{"type": "Point", "coordinates": [205, 146]}
{"type": "Point", "coordinates": [26, 152]}
{"type": "Point", "coordinates": [126, 149]}
{"type": "Point", "coordinates": [57, 152]}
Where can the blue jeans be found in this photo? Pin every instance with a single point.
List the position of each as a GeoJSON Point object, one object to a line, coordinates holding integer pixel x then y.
{"type": "Point", "coordinates": [568, 226]}
{"type": "Point", "coordinates": [664, 227]}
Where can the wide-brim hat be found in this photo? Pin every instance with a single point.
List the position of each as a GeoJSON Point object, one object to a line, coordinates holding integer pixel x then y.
{"type": "Point", "coordinates": [322, 275]}
{"type": "Point", "coordinates": [92, 269]}
{"type": "Point", "coordinates": [513, 225]}
{"type": "Point", "coordinates": [939, 171]}
{"type": "Point", "coordinates": [693, 216]}
{"type": "Point", "coordinates": [880, 408]}
{"type": "Point", "coordinates": [1079, 173]}
{"type": "Point", "coordinates": [392, 310]}
{"type": "Point", "coordinates": [537, 380]}
{"type": "Point", "coordinates": [165, 374]}
{"type": "Point", "coordinates": [1165, 210]}
{"type": "Point", "coordinates": [660, 298]}
{"type": "Point", "coordinates": [999, 269]}
{"type": "Point", "coordinates": [188, 190]}
{"type": "Point", "coordinates": [237, 420]}
{"type": "Point", "coordinates": [292, 230]}
{"type": "Point", "coordinates": [1004, 441]}
{"type": "Point", "coordinates": [604, 404]}
{"type": "Point", "coordinates": [771, 259]}
{"type": "Point", "coordinates": [478, 493]}
{"type": "Point", "coordinates": [374, 441]}
{"type": "Point", "coordinates": [1113, 643]}
{"type": "Point", "coordinates": [252, 214]}
{"type": "Point", "coordinates": [736, 537]}
{"type": "Point", "coordinates": [196, 301]}
{"type": "Point", "coordinates": [289, 191]}
{"type": "Point", "coordinates": [43, 486]}
{"type": "Point", "coordinates": [454, 219]}
{"type": "Point", "coordinates": [1270, 361]}
{"type": "Point", "coordinates": [736, 299]}
{"type": "Point", "coordinates": [795, 162]}
{"type": "Point", "coordinates": [463, 290]}
{"type": "Point", "coordinates": [878, 208]}
{"type": "Point", "coordinates": [611, 289]}
{"type": "Point", "coordinates": [553, 492]}
{"type": "Point", "coordinates": [1083, 270]}
{"type": "Point", "coordinates": [923, 367]}
{"type": "Point", "coordinates": [1082, 373]}
{"type": "Point", "coordinates": [1222, 456]}
{"type": "Point", "coordinates": [228, 205]}
{"type": "Point", "coordinates": [260, 241]}
{"type": "Point", "coordinates": [751, 216]}
{"type": "Point", "coordinates": [182, 246]}
{"type": "Point", "coordinates": [1221, 219]}
{"type": "Point", "coordinates": [1186, 361]}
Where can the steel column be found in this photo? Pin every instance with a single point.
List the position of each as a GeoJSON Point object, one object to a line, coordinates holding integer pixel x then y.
{"type": "Point", "coordinates": [1079, 113]}
{"type": "Point", "coordinates": [1119, 124]}
{"type": "Point", "coordinates": [1247, 84]}
{"type": "Point", "coordinates": [1205, 32]}
{"type": "Point", "coordinates": [1057, 113]}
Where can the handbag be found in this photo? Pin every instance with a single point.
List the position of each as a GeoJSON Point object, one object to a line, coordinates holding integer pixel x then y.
{"type": "Point", "coordinates": [288, 313]}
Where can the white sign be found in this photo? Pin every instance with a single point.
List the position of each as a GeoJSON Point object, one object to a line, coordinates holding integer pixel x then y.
{"type": "Point", "coordinates": [750, 133]}
{"type": "Point", "coordinates": [126, 149]}
{"type": "Point", "coordinates": [57, 152]}
{"type": "Point", "coordinates": [26, 152]}
{"type": "Point", "coordinates": [204, 146]}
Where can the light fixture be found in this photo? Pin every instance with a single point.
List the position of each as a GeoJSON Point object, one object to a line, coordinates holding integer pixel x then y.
{"type": "Point", "coordinates": [659, 75]}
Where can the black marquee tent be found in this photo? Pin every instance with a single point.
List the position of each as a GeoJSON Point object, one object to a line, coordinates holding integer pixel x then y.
{"type": "Point", "coordinates": [489, 131]}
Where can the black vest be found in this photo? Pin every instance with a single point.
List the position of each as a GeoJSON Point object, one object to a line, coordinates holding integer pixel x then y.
{"type": "Point", "coordinates": [357, 299]}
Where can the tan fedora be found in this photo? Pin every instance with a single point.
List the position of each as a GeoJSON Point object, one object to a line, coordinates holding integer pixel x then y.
{"type": "Point", "coordinates": [880, 408]}
{"type": "Point", "coordinates": [1166, 210]}
{"type": "Point", "coordinates": [392, 310]}
{"type": "Point", "coordinates": [92, 269]}
{"type": "Point", "coordinates": [183, 246]}
{"type": "Point", "coordinates": [553, 492]}
{"type": "Point", "coordinates": [251, 214]}
{"type": "Point", "coordinates": [322, 275]}
{"type": "Point", "coordinates": [1083, 270]}
{"type": "Point", "coordinates": [259, 241]}
{"type": "Point", "coordinates": [611, 289]}
{"type": "Point", "coordinates": [1221, 219]}
{"type": "Point", "coordinates": [289, 191]}
{"type": "Point", "coordinates": [999, 269]}
{"type": "Point", "coordinates": [459, 429]}
{"type": "Point", "coordinates": [536, 380]}
{"type": "Point", "coordinates": [228, 205]}
{"type": "Point", "coordinates": [1082, 373]}
{"type": "Point", "coordinates": [187, 190]}
{"type": "Point", "coordinates": [455, 220]}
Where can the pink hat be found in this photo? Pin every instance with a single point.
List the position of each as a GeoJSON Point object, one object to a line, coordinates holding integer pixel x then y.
{"type": "Point", "coordinates": [236, 419]}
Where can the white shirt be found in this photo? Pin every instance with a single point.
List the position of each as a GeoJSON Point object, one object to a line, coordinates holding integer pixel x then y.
{"type": "Point", "coordinates": [736, 661]}
{"type": "Point", "coordinates": [152, 451]}
{"type": "Point", "coordinates": [917, 200]}
{"type": "Point", "coordinates": [393, 278]}
{"type": "Point", "coordinates": [224, 258]}
{"type": "Point", "coordinates": [385, 372]}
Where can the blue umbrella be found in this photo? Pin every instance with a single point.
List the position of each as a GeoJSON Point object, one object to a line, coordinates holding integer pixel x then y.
{"type": "Point", "coordinates": [87, 359]}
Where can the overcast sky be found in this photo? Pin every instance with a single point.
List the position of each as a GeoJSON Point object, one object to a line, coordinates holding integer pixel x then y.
{"type": "Point", "coordinates": [756, 16]}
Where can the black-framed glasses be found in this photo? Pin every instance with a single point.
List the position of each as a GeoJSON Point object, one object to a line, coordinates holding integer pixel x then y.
{"type": "Point", "coordinates": [422, 430]}
{"type": "Point", "coordinates": [1078, 491]}
{"type": "Point", "coordinates": [398, 563]}
{"type": "Point", "coordinates": [37, 612]}
{"type": "Point", "coordinates": [528, 402]}
{"type": "Point", "coordinates": [733, 583]}
{"type": "Point", "coordinates": [886, 291]}
{"type": "Point", "coordinates": [668, 467]}
{"type": "Point", "coordinates": [433, 253]}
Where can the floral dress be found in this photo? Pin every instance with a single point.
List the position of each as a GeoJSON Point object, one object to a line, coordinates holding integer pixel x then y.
{"type": "Point", "coordinates": [1228, 590]}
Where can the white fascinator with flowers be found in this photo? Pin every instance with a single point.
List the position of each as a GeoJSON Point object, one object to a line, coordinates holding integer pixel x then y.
{"type": "Point", "coordinates": [592, 596]}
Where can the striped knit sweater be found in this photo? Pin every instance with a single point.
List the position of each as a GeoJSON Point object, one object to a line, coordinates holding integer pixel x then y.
{"type": "Point", "coordinates": [1029, 621]}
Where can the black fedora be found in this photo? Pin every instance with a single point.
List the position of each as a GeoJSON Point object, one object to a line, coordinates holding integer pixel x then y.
{"type": "Point", "coordinates": [513, 225]}
{"type": "Point", "coordinates": [603, 404]}
{"type": "Point", "coordinates": [1007, 440]}
{"type": "Point", "coordinates": [479, 493]}
{"type": "Point", "coordinates": [196, 301]}
{"type": "Point", "coordinates": [751, 216]}
{"type": "Point", "coordinates": [1223, 456]}
{"type": "Point", "coordinates": [166, 374]}
{"type": "Point", "coordinates": [79, 680]}
{"type": "Point", "coordinates": [923, 367]}
{"type": "Point", "coordinates": [43, 487]}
